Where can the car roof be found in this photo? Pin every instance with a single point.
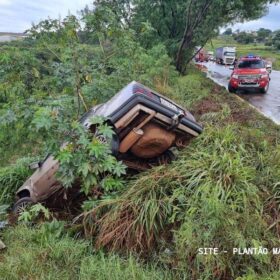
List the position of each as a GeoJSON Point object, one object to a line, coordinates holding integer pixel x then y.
{"type": "Point", "coordinates": [250, 57]}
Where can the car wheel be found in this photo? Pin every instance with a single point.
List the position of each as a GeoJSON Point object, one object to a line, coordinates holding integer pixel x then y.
{"type": "Point", "coordinates": [265, 89]}
{"type": "Point", "coordinates": [113, 143]}
{"type": "Point", "coordinates": [22, 204]}
{"type": "Point", "coordinates": [231, 89]}
{"type": "Point", "coordinates": [166, 158]}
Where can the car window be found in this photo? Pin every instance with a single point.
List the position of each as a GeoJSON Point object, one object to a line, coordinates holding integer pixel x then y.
{"type": "Point", "coordinates": [253, 64]}
{"type": "Point", "coordinates": [229, 53]}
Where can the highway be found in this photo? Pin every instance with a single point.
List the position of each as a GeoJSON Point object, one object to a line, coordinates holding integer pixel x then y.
{"type": "Point", "coordinates": [268, 104]}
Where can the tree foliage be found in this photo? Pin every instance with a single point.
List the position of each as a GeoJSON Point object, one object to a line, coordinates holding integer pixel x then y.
{"type": "Point", "coordinates": [245, 37]}
{"type": "Point", "coordinates": [222, 191]}
{"type": "Point", "coordinates": [263, 34]}
{"type": "Point", "coordinates": [228, 31]}
{"type": "Point", "coordinates": [276, 39]}
{"type": "Point", "coordinates": [182, 25]}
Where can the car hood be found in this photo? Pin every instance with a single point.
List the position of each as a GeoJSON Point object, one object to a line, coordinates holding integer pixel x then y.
{"type": "Point", "coordinates": [247, 71]}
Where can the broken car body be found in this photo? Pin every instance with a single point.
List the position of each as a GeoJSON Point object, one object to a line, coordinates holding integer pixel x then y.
{"type": "Point", "coordinates": [146, 124]}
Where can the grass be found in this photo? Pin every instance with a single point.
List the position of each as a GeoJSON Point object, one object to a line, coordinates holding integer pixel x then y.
{"type": "Point", "coordinates": [33, 254]}
{"type": "Point", "coordinates": [253, 276]}
{"type": "Point", "coordinates": [12, 177]}
{"type": "Point", "coordinates": [220, 192]}
{"type": "Point", "coordinates": [244, 49]}
{"type": "Point", "coordinates": [223, 191]}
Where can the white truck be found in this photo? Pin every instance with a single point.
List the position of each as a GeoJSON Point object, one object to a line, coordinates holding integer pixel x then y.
{"type": "Point", "coordinates": [226, 55]}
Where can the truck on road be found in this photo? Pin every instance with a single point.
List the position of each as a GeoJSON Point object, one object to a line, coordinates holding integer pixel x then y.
{"type": "Point", "coordinates": [226, 55]}
{"type": "Point", "coordinates": [250, 72]}
{"type": "Point", "coordinates": [200, 55]}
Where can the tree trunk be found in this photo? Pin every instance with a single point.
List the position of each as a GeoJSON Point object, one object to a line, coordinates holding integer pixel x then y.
{"type": "Point", "coordinates": [179, 60]}
{"type": "Point", "coordinates": [180, 54]}
{"type": "Point", "coordinates": [194, 16]}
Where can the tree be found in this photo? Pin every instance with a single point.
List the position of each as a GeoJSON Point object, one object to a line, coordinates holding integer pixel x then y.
{"type": "Point", "coordinates": [244, 37]}
{"type": "Point", "coordinates": [228, 31]}
{"type": "Point", "coordinates": [204, 17]}
{"type": "Point", "coordinates": [263, 34]}
{"type": "Point", "coordinates": [64, 33]}
{"type": "Point", "coordinates": [182, 25]}
{"type": "Point", "coordinates": [276, 39]}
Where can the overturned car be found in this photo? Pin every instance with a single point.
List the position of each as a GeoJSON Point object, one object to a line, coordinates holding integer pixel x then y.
{"type": "Point", "coordinates": [146, 124]}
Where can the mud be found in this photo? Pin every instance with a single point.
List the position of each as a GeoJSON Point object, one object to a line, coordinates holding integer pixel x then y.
{"type": "Point", "coordinates": [207, 105]}
{"type": "Point", "coordinates": [243, 116]}
{"type": "Point", "coordinates": [268, 104]}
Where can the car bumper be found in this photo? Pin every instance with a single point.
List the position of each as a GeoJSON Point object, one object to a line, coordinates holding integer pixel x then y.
{"type": "Point", "coordinates": [236, 85]}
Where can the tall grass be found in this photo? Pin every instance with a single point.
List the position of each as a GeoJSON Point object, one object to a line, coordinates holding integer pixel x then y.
{"type": "Point", "coordinates": [33, 254]}
{"type": "Point", "coordinates": [136, 219]}
{"type": "Point", "coordinates": [12, 177]}
{"type": "Point", "coordinates": [209, 197]}
{"type": "Point", "coordinates": [113, 267]}
{"type": "Point", "coordinates": [223, 191]}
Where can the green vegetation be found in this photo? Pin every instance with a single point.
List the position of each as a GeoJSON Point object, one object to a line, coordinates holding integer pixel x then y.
{"type": "Point", "coordinates": [12, 177]}
{"type": "Point", "coordinates": [267, 52]}
{"type": "Point", "coordinates": [180, 25]}
{"type": "Point", "coordinates": [276, 40]}
{"type": "Point", "coordinates": [218, 193]}
{"type": "Point", "coordinates": [43, 253]}
{"type": "Point", "coordinates": [222, 191]}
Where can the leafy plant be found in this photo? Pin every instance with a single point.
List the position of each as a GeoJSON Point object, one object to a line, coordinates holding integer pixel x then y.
{"type": "Point", "coordinates": [30, 214]}
{"type": "Point", "coordinates": [86, 155]}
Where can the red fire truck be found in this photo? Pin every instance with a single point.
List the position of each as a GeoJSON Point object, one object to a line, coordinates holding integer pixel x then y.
{"type": "Point", "coordinates": [249, 72]}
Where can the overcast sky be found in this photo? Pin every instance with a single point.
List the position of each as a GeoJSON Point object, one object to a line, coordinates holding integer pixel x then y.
{"type": "Point", "coordinates": [270, 21]}
{"type": "Point", "coordinates": [17, 15]}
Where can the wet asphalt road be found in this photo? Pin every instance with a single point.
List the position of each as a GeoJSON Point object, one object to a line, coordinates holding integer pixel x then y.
{"type": "Point", "coordinates": [268, 104]}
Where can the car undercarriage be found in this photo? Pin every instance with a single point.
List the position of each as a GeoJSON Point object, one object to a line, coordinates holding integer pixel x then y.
{"type": "Point", "coordinates": [147, 127]}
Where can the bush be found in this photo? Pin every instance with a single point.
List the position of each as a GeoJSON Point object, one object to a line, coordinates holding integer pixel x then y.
{"type": "Point", "coordinates": [12, 177]}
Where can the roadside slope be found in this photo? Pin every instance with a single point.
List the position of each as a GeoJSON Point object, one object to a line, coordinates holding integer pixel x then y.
{"type": "Point", "coordinates": [222, 191]}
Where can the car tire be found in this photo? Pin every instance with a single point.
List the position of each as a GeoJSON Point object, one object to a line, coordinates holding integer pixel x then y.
{"type": "Point", "coordinates": [231, 89]}
{"type": "Point", "coordinates": [264, 90]}
{"type": "Point", "coordinates": [113, 143]}
{"type": "Point", "coordinates": [22, 204]}
{"type": "Point", "coordinates": [166, 158]}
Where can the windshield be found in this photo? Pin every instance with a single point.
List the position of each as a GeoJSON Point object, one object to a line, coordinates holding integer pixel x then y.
{"type": "Point", "coordinates": [229, 53]}
{"type": "Point", "coordinates": [253, 64]}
